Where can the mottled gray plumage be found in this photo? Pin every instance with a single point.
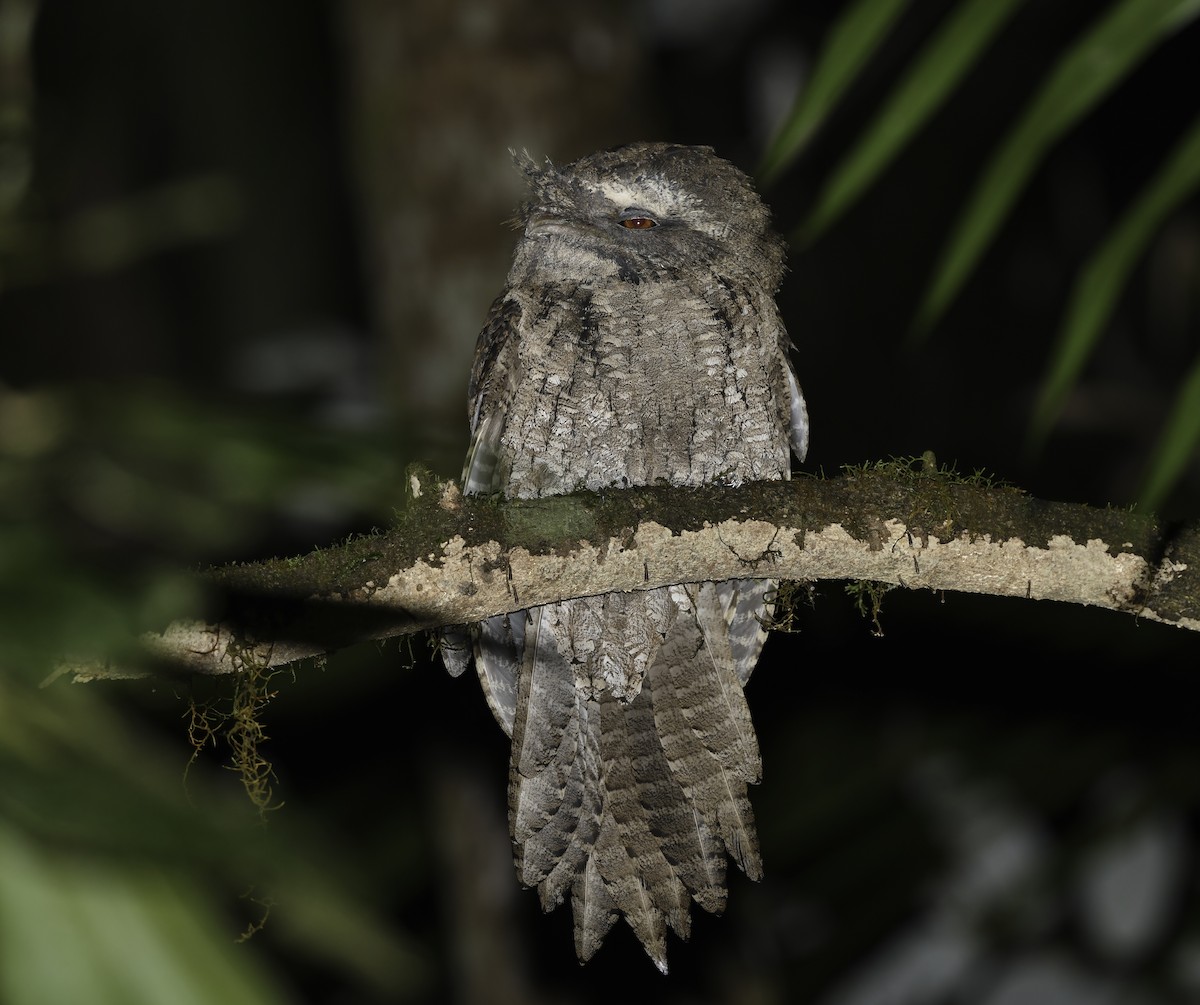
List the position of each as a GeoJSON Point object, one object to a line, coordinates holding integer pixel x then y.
{"type": "Point", "coordinates": [637, 341]}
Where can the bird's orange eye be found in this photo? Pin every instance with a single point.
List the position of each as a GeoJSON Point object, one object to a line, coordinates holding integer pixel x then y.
{"type": "Point", "coordinates": [639, 223]}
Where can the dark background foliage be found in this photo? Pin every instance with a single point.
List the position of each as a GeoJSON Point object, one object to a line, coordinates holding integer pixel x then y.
{"type": "Point", "coordinates": [241, 281]}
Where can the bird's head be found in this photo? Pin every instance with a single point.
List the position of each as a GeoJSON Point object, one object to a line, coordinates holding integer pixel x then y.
{"type": "Point", "coordinates": [646, 211]}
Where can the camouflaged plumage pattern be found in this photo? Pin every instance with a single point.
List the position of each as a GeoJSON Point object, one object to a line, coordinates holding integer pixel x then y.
{"type": "Point", "coordinates": [637, 341]}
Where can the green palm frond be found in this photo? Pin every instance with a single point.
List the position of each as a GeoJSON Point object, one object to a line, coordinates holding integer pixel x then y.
{"type": "Point", "coordinates": [1087, 71]}
{"type": "Point", "coordinates": [929, 82]}
{"type": "Point", "coordinates": [1102, 279]}
{"type": "Point", "coordinates": [851, 43]}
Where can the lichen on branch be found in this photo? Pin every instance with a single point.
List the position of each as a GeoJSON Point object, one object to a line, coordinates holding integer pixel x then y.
{"type": "Point", "coordinates": [451, 560]}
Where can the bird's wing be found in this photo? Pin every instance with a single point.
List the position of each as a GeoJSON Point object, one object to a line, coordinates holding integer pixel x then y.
{"type": "Point", "coordinates": [498, 642]}
{"type": "Point", "coordinates": [798, 414]}
{"type": "Point", "coordinates": [491, 375]}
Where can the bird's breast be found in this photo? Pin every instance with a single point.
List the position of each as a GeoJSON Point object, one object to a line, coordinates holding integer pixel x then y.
{"type": "Point", "coordinates": [637, 384]}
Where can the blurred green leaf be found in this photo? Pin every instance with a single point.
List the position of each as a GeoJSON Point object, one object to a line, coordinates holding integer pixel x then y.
{"type": "Point", "coordinates": [77, 931]}
{"type": "Point", "coordinates": [116, 859]}
{"type": "Point", "coordinates": [1103, 278]}
{"type": "Point", "coordinates": [1080, 80]}
{"type": "Point", "coordinates": [109, 495]}
{"type": "Point", "coordinates": [931, 79]}
{"type": "Point", "coordinates": [95, 829]}
{"type": "Point", "coordinates": [1177, 444]}
{"type": "Point", "coordinates": [103, 840]}
{"type": "Point", "coordinates": [850, 45]}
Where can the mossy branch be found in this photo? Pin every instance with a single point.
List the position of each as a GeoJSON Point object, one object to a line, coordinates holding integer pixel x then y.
{"type": "Point", "coordinates": [451, 560]}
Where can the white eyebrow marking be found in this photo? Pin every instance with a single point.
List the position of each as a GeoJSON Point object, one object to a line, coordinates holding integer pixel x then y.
{"type": "Point", "coordinates": [650, 195]}
{"type": "Point", "coordinates": [659, 199]}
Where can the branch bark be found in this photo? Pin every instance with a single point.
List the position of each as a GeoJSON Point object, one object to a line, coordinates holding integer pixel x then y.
{"type": "Point", "coordinates": [452, 560]}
